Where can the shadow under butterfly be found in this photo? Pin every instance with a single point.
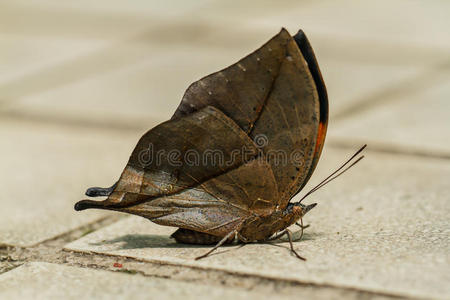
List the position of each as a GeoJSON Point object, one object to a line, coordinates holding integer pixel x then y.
{"type": "Point", "coordinates": [276, 94]}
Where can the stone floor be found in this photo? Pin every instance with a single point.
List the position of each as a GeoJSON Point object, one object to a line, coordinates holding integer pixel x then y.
{"type": "Point", "coordinates": [81, 81]}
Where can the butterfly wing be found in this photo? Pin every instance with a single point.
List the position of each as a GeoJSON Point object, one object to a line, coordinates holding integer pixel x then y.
{"type": "Point", "coordinates": [218, 205]}
{"type": "Point", "coordinates": [276, 94]}
{"type": "Point", "coordinates": [203, 197]}
{"type": "Point", "coordinates": [308, 53]}
{"type": "Point", "coordinates": [239, 91]}
{"type": "Point", "coordinates": [177, 155]}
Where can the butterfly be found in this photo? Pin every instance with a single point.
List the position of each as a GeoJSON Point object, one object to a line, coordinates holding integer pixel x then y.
{"type": "Point", "coordinates": [242, 143]}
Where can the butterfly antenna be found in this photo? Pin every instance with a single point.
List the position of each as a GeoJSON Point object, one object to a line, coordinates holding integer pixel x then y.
{"type": "Point", "coordinates": [336, 176]}
{"type": "Point", "coordinates": [333, 175]}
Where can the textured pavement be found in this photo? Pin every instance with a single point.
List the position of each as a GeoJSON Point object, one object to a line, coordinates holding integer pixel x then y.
{"type": "Point", "coordinates": [80, 82]}
{"type": "Point", "coordinates": [55, 281]}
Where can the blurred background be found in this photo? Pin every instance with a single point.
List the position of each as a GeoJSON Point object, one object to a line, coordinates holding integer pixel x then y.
{"type": "Point", "coordinates": [81, 81]}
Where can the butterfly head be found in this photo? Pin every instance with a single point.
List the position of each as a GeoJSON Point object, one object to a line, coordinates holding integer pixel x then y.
{"type": "Point", "coordinates": [300, 209]}
{"type": "Point", "coordinates": [296, 211]}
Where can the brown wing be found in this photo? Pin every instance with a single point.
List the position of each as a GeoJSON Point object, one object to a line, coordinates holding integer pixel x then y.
{"type": "Point", "coordinates": [240, 90]}
{"type": "Point", "coordinates": [177, 155]}
{"type": "Point", "coordinates": [218, 205]}
{"type": "Point", "coordinates": [273, 93]}
{"type": "Point", "coordinates": [276, 94]}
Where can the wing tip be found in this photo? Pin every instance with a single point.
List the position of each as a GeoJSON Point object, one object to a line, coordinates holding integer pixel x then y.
{"type": "Point", "coordinates": [87, 204]}
{"type": "Point", "coordinates": [81, 205]}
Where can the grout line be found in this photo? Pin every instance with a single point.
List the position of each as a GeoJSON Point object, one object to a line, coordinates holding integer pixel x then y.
{"type": "Point", "coordinates": [52, 251]}
{"type": "Point", "coordinates": [237, 274]}
{"type": "Point", "coordinates": [203, 275]}
{"type": "Point", "coordinates": [87, 228]}
{"type": "Point", "coordinates": [68, 236]}
{"type": "Point", "coordinates": [10, 268]}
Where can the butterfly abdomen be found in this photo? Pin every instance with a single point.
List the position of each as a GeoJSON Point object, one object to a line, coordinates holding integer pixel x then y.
{"type": "Point", "coordinates": [187, 236]}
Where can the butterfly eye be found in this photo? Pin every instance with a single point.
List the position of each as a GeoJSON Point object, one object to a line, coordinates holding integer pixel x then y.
{"type": "Point", "coordinates": [298, 211]}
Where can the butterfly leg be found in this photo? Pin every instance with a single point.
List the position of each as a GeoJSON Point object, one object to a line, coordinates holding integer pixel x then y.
{"type": "Point", "coordinates": [283, 233]}
{"type": "Point", "coordinates": [243, 239]}
{"type": "Point", "coordinates": [289, 234]}
{"type": "Point", "coordinates": [277, 236]}
{"type": "Point", "coordinates": [99, 192]}
{"type": "Point", "coordinates": [222, 241]}
{"type": "Point", "coordinates": [302, 227]}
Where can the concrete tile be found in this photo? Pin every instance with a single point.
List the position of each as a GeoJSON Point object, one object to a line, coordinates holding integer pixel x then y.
{"type": "Point", "coordinates": [383, 227]}
{"type": "Point", "coordinates": [144, 76]}
{"type": "Point", "coordinates": [30, 77]}
{"type": "Point", "coordinates": [48, 44]}
{"type": "Point", "coordinates": [87, 20]}
{"type": "Point", "coordinates": [415, 23]}
{"type": "Point", "coordinates": [415, 121]}
{"type": "Point", "coordinates": [351, 83]}
{"type": "Point", "coordinates": [141, 92]}
{"type": "Point", "coordinates": [6, 265]}
{"type": "Point", "coordinates": [145, 87]}
{"type": "Point", "coordinates": [404, 33]}
{"type": "Point", "coordinates": [21, 55]}
{"type": "Point", "coordinates": [371, 52]}
{"type": "Point", "coordinates": [38, 36]}
{"type": "Point", "coordinates": [72, 71]}
{"type": "Point", "coordinates": [112, 7]}
{"type": "Point", "coordinates": [355, 64]}
{"type": "Point", "coordinates": [46, 169]}
{"type": "Point", "coordinates": [51, 281]}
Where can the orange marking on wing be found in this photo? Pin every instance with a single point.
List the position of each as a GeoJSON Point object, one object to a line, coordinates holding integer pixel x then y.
{"type": "Point", "coordinates": [320, 137]}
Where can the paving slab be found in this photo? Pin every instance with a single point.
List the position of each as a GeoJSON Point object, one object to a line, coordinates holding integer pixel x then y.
{"type": "Point", "coordinates": [40, 280]}
{"type": "Point", "coordinates": [129, 63]}
{"type": "Point", "coordinates": [141, 92]}
{"type": "Point", "coordinates": [135, 83]}
{"type": "Point", "coordinates": [350, 83]}
{"type": "Point", "coordinates": [104, 20]}
{"type": "Point", "coordinates": [74, 67]}
{"type": "Point", "coordinates": [414, 122]}
{"type": "Point", "coordinates": [45, 36]}
{"type": "Point", "coordinates": [415, 23]}
{"type": "Point", "coordinates": [46, 169]}
{"type": "Point", "coordinates": [382, 227]}
{"type": "Point", "coordinates": [52, 43]}
{"type": "Point", "coordinates": [22, 55]}
{"type": "Point", "coordinates": [380, 33]}
{"type": "Point", "coordinates": [135, 8]}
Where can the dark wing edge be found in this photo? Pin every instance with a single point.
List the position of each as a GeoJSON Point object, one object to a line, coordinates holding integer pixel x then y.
{"type": "Point", "coordinates": [308, 54]}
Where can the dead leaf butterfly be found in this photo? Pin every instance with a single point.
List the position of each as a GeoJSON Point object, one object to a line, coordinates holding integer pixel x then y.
{"type": "Point", "coordinates": [241, 144]}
